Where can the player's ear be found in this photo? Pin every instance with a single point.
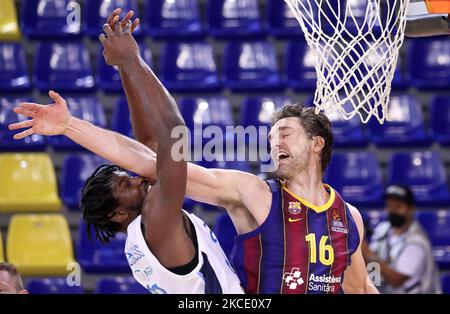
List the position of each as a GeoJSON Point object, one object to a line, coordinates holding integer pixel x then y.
{"type": "Point", "coordinates": [119, 215]}
{"type": "Point", "coordinates": [318, 143]}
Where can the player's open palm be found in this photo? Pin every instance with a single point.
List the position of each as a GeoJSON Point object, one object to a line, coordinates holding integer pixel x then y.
{"type": "Point", "coordinates": [45, 119]}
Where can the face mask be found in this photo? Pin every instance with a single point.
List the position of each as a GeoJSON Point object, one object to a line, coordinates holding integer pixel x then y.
{"type": "Point", "coordinates": [396, 220]}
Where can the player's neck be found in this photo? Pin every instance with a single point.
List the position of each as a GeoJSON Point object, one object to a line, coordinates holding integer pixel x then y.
{"type": "Point", "coordinates": [308, 186]}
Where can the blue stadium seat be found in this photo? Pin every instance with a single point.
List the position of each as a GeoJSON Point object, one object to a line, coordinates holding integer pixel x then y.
{"type": "Point", "coordinates": [108, 77]}
{"type": "Point", "coordinates": [440, 119]}
{"type": "Point", "coordinates": [168, 19]}
{"type": "Point", "coordinates": [357, 177]}
{"type": "Point", "coordinates": [76, 169]}
{"type": "Point", "coordinates": [425, 173]}
{"type": "Point", "coordinates": [121, 122]}
{"type": "Point", "coordinates": [63, 66]}
{"type": "Point", "coordinates": [446, 284]}
{"type": "Point", "coordinates": [13, 68]}
{"type": "Point", "coordinates": [95, 257]}
{"type": "Point", "coordinates": [300, 71]}
{"type": "Point", "coordinates": [235, 18]}
{"type": "Point", "coordinates": [52, 286]}
{"type": "Point", "coordinates": [437, 225]}
{"type": "Point", "coordinates": [189, 66]}
{"type": "Point", "coordinates": [356, 20]}
{"type": "Point", "coordinates": [34, 142]}
{"type": "Point", "coordinates": [119, 285]}
{"type": "Point", "coordinates": [225, 232]}
{"type": "Point", "coordinates": [282, 21]}
{"type": "Point", "coordinates": [46, 19]}
{"type": "Point", "coordinates": [258, 112]}
{"type": "Point", "coordinates": [202, 113]}
{"type": "Point", "coordinates": [251, 66]}
{"type": "Point", "coordinates": [429, 62]}
{"type": "Point", "coordinates": [401, 80]}
{"type": "Point", "coordinates": [406, 127]}
{"type": "Point", "coordinates": [97, 11]}
{"type": "Point", "coordinates": [346, 133]}
{"type": "Point", "coordinates": [86, 108]}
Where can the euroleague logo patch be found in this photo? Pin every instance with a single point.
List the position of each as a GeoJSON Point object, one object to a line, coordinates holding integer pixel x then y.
{"type": "Point", "coordinates": [295, 208]}
{"type": "Point", "coordinates": [336, 221]}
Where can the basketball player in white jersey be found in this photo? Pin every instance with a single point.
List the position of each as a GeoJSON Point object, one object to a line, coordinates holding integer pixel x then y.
{"type": "Point", "coordinates": [168, 249]}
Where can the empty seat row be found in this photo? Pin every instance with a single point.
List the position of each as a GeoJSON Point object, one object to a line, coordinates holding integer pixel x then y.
{"type": "Point", "coordinates": [161, 19]}
{"type": "Point", "coordinates": [41, 244]}
{"type": "Point", "coordinates": [405, 129]}
{"type": "Point", "coordinates": [107, 285]}
{"type": "Point", "coordinates": [191, 66]}
{"type": "Point", "coordinates": [29, 181]}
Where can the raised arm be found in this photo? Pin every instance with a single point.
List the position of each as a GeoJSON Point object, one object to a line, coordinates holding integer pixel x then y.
{"type": "Point", "coordinates": [136, 104]}
{"type": "Point", "coordinates": [162, 206]}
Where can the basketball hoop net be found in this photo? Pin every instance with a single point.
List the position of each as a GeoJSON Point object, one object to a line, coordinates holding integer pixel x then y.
{"type": "Point", "coordinates": [356, 52]}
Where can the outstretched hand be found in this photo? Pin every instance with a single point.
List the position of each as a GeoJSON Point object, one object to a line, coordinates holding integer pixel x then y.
{"type": "Point", "coordinates": [118, 43]}
{"type": "Point", "coordinates": [45, 119]}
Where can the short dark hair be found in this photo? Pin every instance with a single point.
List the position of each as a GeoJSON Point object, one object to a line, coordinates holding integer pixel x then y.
{"type": "Point", "coordinates": [12, 270]}
{"type": "Point", "coordinates": [98, 202]}
{"type": "Point", "coordinates": [313, 124]}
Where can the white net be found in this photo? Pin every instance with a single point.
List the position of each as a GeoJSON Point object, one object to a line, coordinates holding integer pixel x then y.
{"type": "Point", "coordinates": [356, 44]}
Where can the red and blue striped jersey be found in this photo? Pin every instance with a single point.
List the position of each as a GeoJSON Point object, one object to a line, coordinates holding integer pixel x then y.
{"type": "Point", "coordinates": [300, 247]}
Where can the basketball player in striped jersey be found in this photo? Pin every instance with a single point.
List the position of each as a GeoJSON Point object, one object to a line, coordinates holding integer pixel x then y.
{"type": "Point", "coordinates": [296, 234]}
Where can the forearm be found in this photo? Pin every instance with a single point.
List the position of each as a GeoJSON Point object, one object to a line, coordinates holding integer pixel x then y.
{"type": "Point", "coordinates": [393, 277]}
{"type": "Point", "coordinates": [153, 111]}
{"type": "Point", "coordinates": [114, 147]}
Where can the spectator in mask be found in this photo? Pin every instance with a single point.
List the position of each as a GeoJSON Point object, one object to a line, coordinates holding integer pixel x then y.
{"type": "Point", "coordinates": [401, 248]}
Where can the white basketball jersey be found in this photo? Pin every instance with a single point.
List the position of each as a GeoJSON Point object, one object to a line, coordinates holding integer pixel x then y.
{"type": "Point", "coordinates": [212, 275]}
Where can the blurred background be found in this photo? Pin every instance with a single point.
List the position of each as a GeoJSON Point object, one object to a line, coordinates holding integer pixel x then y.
{"type": "Point", "coordinates": [226, 62]}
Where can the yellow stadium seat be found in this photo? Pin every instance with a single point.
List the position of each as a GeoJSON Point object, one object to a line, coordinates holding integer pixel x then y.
{"type": "Point", "coordinates": [9, 28]}
{"type": "Point", "coordinates": [28, 183]}
{"type": "Point", "coordinates": [39, 245]}
{"type": "Point", "coordinates": [2, 256]}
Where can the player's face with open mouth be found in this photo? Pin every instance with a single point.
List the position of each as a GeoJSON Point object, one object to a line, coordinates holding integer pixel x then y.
{"type": "Point", "coordinates": [290, 145]}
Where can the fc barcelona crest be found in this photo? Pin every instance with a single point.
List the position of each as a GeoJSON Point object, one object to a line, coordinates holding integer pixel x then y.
{"type": "Point", "coordinates": [295, 208]}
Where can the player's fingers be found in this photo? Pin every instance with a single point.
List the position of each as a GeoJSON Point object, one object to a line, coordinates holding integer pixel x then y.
{"type": "Point", "coordinates": [23, 134]}
{"type": "Point", "coordinates": [127, 28]}
{"type": "Point", "coordinates": [107, 29]}
{"type": "Point", "coordinates": [30, 106]}
{"type": "Point", "coordinates": [56, 97]}
{"type": "Point", "coordinates": [102, 38]}
{"type": "Point", "coordinates": [21, 125]}
{"type": "Point", "coordinates": [114, 14]}
{"type": "Point", "coordinates": [135, 24]}
{"type": "Point", "coordinates": [127, 18]}
{"type": "Point", "coordinates": [118, 28]}
{"type": "Point", "coordinates": [24, 112]}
